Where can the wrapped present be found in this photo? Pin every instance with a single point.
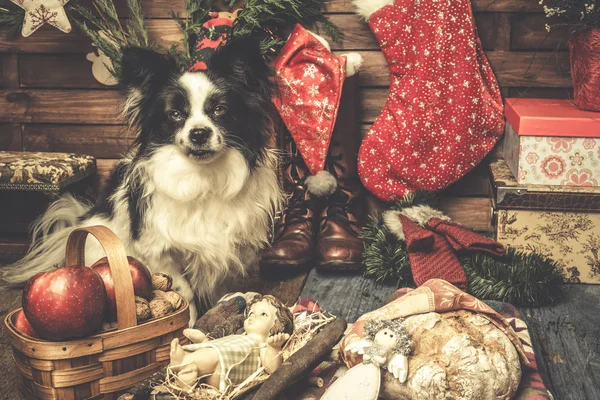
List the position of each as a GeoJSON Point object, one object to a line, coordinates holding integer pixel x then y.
{"type": "Point", "coordinates": [29, 181]}
{"type": "Point", "coordinates": [551, 142]}
{"type": "Point", "coordinates": [562, 223]}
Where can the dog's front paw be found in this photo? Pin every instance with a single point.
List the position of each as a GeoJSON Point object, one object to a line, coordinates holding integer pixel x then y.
{"type": "Point", "coordinates": [181, 286]}
{"type": "Point", "coordinates": [193, 314]}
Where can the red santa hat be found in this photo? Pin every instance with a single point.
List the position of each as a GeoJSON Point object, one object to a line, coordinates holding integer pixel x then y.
{"type": "Point", "coordinates": [311, 80]}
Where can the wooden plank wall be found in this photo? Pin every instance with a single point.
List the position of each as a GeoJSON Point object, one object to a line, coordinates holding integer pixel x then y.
{"type": "Point", "coordinates": [49, 100]}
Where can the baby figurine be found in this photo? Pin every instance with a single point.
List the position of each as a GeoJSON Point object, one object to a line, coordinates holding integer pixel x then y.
{"type": "Point", "coordinates": [386, 345]}
{"type": "Point", "coordinates": [232, 359]}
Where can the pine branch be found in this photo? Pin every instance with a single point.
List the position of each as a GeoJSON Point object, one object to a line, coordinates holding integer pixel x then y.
{"type": "Point", "coordinates": [102, 25]}
{"type": "Point", "coordinates": [11, 18]}
{"type": "Point", "coordinates": [136, 26]}
{"type": "Point", "coordinates": [197, 13]}
{"type": "Point", "coordinates": [264, 18]}
{"type": "Point", "coordinates": [108, 47]}
{"type": "Point", "coordinates": [269, 45]}
{"type": "Point", "coordinates": [526, 279]}
{"type": "Point", "coordinates": [420, 197]}
{"type": "Point", "coordinates": [384, 256]}
{"type": "Point", "coordinates": [106, 9]}
{"type": "Point", "coordinates": [276, 15]}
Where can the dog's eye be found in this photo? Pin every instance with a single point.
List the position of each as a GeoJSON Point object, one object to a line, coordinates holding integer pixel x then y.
{"type": "Point", "coordinates": [219, 110]}
{"type": "Point", "coordinates": [176, 116]}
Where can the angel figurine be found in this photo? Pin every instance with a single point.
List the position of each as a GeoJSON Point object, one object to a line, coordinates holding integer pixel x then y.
{"type": "Point", "coordinates": [386, 345]}
{"type": "Point", "coordinates": [230, 360]}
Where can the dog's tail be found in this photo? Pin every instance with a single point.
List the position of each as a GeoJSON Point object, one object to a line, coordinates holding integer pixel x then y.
{"type": "Point", "coordinates": [49, 237]}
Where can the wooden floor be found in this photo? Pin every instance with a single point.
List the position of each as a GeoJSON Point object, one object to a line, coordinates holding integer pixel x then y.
{"type": "Point", "coordinates": [566, 336]}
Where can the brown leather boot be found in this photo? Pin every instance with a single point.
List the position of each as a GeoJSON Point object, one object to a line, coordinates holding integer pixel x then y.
{"type": "Point", "coordinates": [293, 246]}
{"type": "Point", "coordinates": [339, 247]}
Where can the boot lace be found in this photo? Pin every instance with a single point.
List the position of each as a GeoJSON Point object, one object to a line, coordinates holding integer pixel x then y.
{"type": "Point", "coordinates": [340, 202]}
{"type": "Point", "coordinates": [295, 212]}
{"type": "Point", "coordinates": [298, 202]}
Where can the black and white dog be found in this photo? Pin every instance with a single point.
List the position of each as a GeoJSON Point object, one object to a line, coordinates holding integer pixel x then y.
{"type": "Point", "coordinates": [196, 195]}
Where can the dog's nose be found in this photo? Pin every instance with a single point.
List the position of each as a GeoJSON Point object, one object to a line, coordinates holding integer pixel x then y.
{"type": "Point", "coordinates": [199, 136]}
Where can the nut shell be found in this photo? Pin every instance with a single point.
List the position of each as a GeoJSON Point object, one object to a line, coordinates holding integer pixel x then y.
{"type": "Point", "coordinates": [159, 307]}
{"type": "Point", "coordinates": [174, 298]}
{"type": "Point", "coordinates": [157, 293]}
{"type": "Point", "coordinates": [107, 326]}
{"type": "Point", "coordinates": [142, 309]}
{"type": "Point", "coordinates": [162, 281]}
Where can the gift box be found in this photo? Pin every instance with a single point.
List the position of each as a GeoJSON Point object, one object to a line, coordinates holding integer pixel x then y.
{"type": "Point", "coordinates": [562, 223]}
{"type": "Point", "coordinates": [29, 181]}
{"type": "Point", "coordinates": [551, 142]}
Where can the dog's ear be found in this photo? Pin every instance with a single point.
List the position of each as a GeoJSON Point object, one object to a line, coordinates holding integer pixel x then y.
{"type": "Point", "coordinates": [241, 60]}
{"type": "Point", "coordinates": [141, 66]}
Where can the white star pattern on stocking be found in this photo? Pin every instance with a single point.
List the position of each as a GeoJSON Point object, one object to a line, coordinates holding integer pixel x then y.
{"type": "Point", "coordinates": [443, 113]}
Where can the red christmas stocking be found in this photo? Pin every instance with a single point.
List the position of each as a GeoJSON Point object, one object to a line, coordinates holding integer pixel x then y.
{"type": "Point", "coordinates": [429, 254]}
{"type": "Point", "coordinates": [444, 110]}
{"type": "Point", "coordinates": [461, 238]}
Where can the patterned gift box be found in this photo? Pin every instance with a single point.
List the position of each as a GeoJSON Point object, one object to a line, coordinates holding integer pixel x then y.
{"type": "Point", "coordinates": [551, 142]}
{"type": "Point", "coordinates": [562, 223]}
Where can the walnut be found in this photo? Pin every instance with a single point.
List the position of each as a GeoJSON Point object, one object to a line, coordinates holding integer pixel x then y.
{"type": "Point", "coordinates": [157, 293]}
{"type": "Point", "coordinates": [174, 298]}
{"type": "Point", "coordinates": [160, 306]}
{"type": "Point", "coordinates": [161, 281]}
{"type": "Point", "coordinates": [107, 326]}
{"type": "Point", "coordinates": [142, 309]}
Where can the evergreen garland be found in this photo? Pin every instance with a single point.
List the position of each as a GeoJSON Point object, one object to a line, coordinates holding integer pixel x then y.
{"type": "Point", "coordinates": [11, 18]}
{"type": "Point", "coordinates": [275, 15]}
{"type": "Point", "coordinates": [265, 18]}
{"type": "Point", "coordinates": [525, 279]}
{"type": "Point", "coordinates": [197, 13]}
{"type": "Point", "coordinates": [102, 25]}
{"type": "Point", "coordinates": [95, 17]}
{"type": "Point", "coordinates": [384, 256]}
{"type": "Point", "coordinates": [519, 278]}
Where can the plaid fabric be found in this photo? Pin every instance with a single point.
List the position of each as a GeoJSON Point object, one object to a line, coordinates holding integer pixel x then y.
{"type": "Point", "coordinates": [239, 357]}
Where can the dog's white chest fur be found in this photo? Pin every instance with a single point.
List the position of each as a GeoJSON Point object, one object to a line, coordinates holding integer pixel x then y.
{"type": "Point", "coordinates": [202, 222]}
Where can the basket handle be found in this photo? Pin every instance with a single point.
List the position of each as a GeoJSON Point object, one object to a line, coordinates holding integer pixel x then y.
{"type": "Point", "coordinates": [119, 268]}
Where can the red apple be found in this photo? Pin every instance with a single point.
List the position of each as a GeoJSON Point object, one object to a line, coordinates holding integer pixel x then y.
{"type": "Point", "coordinates": [140, 275]}
{"type": "Point", "coordinates": [23, 325]}
{"type": "Point", "coordinates": [65, 303]}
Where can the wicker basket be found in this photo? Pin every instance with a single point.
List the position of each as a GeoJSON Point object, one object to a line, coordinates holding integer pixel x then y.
{"type": "Point", "coordinates": [103, 365]}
